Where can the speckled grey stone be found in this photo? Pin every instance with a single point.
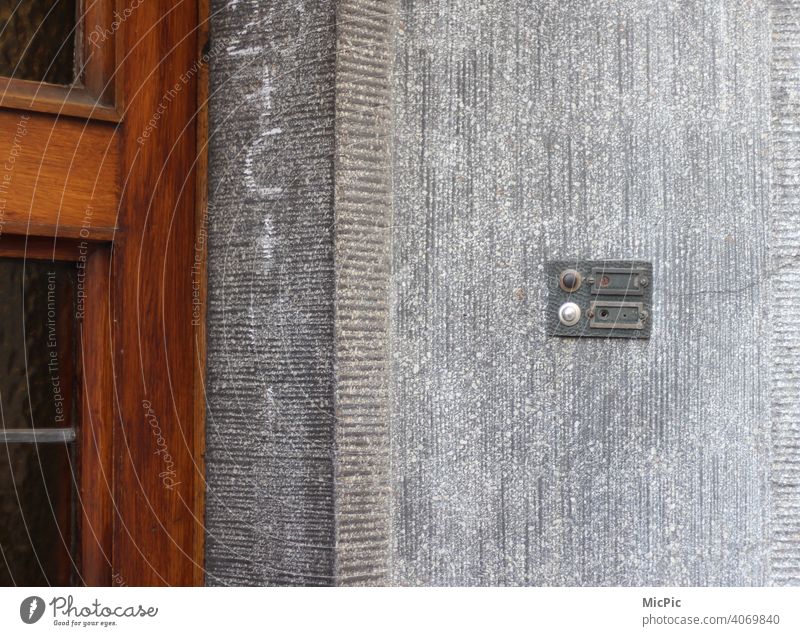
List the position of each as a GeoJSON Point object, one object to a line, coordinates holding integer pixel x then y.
{"type": "Point", "coordinates": [535, 130]}
{"type": "Point", "coordinates": [523, 131]}
{"type": "Point", "coordinates": [784, 338]}
{"type": "Point", "coordinates": [362, 212]}
{"type": "Point", "coordinates": [299, 260]}
{"type": "Point", "coordinates": [269, 502]}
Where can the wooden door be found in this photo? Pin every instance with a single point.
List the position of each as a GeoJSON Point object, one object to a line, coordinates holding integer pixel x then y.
{"type": "Point", "coordinates": [104, 170]}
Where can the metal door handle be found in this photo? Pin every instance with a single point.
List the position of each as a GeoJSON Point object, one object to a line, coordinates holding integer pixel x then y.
{"type": "Point", "coordinates": [37, 436]}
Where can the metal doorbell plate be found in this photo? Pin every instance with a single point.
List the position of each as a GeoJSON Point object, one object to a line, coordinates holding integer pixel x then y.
{"type": "Point", "coordinates": [599, 299]}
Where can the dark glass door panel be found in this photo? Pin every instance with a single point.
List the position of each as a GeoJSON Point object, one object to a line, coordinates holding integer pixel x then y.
{"type": "Point", "coordinates": [37, 40]}
{"type": "Point", "coordinates": [37, 335]}
{"type": "Point", "coordinates": [36, 508]}
{"type": "Point", "coordinates": [37, 422]}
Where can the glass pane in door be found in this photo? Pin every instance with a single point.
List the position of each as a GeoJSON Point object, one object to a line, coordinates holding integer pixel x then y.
{"type": "Point", "coordinates": [37, 422]}
{"type": "Point", "coordinates": [37, 40]}
{"type": "Point", "coordinates": [36, 531]}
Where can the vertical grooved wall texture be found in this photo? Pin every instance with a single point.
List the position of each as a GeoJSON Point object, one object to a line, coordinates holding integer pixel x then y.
{"type": "Point", "coordinates": [270, 511]}
{"type": "Point", "coordinates": [531, 130]}
{"type": "Point", "coordinates": [785, 289]}
{"type": "Point", "coordinates": [361, 255]}
{"type": "Point", "coordinates": [357, 209]}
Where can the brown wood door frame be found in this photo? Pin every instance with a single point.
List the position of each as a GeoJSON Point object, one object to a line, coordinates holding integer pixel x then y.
{"type": "Point", "coordinates": [159, 484]}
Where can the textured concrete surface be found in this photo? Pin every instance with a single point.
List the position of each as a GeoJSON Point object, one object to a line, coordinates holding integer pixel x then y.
{"type": "Point", "coordinates": [785, 289]}
{"type": "Point", "coordinates": [534, 130]}
{"type": "Point", "coordinates": [522, 131]}
{"type": "Point", "coordinates": [362, 213]}
{"type": "Point", "coordinates": [270, 307]}
{"type": "Point", "coordinates": [298, 365]}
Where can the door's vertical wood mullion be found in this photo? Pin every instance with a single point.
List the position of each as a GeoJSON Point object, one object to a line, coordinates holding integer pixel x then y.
{"type": "Point", "coordinates": [155, 466]}
{"type": "Point", "coordinates": [96, 422]}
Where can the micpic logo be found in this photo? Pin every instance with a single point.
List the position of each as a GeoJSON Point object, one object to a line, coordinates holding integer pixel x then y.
{"type": "Point", "coordinates": [31, 609]}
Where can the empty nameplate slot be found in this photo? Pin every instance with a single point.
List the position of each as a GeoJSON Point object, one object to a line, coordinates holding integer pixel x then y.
{"type": "Point", "coordinates": [617, 281]}
{"type": "Point", "coordinates": [616, 315]}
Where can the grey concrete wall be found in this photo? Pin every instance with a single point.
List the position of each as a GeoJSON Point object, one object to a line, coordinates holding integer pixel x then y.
{"type": "Point", "coordinates": [484, 452]}
{"type": "Point", "coordinates": [785, 293]}
{"type": "Point", "coordinates": [270, 307]}
{"type": "Point", "coordinates": [299, 216]}
{"type": "Point", "coordinates": [362, 217]}
{"type": "Point", "coordinates": [533, 130]}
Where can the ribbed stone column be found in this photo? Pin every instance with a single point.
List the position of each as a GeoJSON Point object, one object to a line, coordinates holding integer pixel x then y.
{"type": "Point", "coordinates": [362, 212]}
{"type": "Point", "coordinates": [299, 216]}
{"type": "Point", "coordinates": [785, 292]}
